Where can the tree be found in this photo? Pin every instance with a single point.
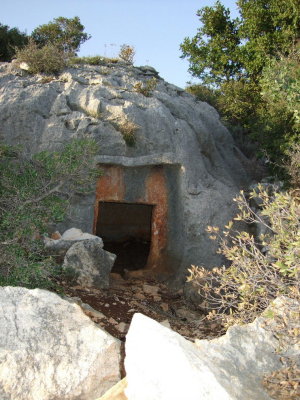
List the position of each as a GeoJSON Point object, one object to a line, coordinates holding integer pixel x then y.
{"type": "Point", "coordinates": [248, 61]}
{"type": "Point", "coordinates": [226, 49]}
{"type": "Point", "coordinates": [267, 28]}
{"type": "Point", "coordinates": [67, 33]}
{"type": "Point", "coordinates": [10, 39]}
{"type": "Point", "coordinates": [214, 53]}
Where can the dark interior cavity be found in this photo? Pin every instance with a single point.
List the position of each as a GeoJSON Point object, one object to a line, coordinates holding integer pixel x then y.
{"type": "Point", "coordinates": [125, 229]}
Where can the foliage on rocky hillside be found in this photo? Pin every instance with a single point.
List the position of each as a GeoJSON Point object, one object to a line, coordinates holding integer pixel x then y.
{"type": "Point", "coordinates": [35, 192]}
{"type": "Point", "coordinates": [250, 69]}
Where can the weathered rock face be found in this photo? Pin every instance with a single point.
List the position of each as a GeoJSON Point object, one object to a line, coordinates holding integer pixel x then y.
{"type": "Point", "coordinates": [50, 350]}
{"type": "Point", "coordinates": [90, 263]}
{"type": "Point", "coordinates": [162, 365]}
{"type": "Point", "coordinates": [59, 247]}
{"type": "Point", "coordinates": [184, 163]}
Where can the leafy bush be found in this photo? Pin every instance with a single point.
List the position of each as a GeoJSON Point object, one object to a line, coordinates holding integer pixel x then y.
{"type": "Point", "coordinates": [67, 34]}
{"type": "Point", "coordinates": [278, 126]}
{"type": "Point", "coordinates": [204, 93]}
{"type": "Point", "coordinates": [48, 59]}
{"type": "Point", "coordinates": [35, 192]}
{"type": "Point", "coordinates": [127, 53]}
{"type": "Point", "coordinates": [238, 102]}
{"type": "Point", "coordinates": [146, 88]}
{"type": "Point", "coordinates": [292, 166]}
{"type": "Point", "coordinates": [261, 269]}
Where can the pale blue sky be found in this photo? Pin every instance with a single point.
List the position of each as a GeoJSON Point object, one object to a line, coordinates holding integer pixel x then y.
{"type": "Point", "coordinates": [154, 27]}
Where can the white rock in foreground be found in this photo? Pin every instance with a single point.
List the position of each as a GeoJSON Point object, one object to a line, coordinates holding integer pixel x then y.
{"type": "Point", "coordinates": [50, 350]}
{"type": "Point", "coordinates": [162, 365]}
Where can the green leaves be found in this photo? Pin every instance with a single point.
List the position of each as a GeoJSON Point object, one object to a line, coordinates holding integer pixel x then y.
{"type": "Point", "coordinates": [213, 52]}
{"type": "Point", "coordinates": [65, 33]}
{"type": "Point", "coordinates": [10, 39]}
{"type": "Point", "coordinates": [36, 192]}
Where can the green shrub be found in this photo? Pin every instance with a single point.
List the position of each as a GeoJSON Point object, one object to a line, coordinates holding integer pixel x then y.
{"type": "Point", "coordinates": [67, 34]}
{"type": "Point", "coordinates": [204, 93]}
{"type": "Point", "coordinates": [48, 59]}
{"type": "Point", "coordinates": [261, 269]}
{"type": "Point", "coordinates": [146, 88]}
{"type": "Point", "coordinates": [34, 193]}
{"type": "Point", "coordinates": [92, 60]}
{"type": "Point", "coordinates": [292, 166]}
{"type": "Point", "coordinates": [278, 126]}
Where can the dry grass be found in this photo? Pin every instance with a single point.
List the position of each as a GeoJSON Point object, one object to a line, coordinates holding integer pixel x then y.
{"type": "Point", "coordinates": [128, 130]}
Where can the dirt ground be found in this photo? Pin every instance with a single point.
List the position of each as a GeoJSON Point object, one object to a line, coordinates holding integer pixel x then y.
{"type": "Point", "coordinates": [113, 308]}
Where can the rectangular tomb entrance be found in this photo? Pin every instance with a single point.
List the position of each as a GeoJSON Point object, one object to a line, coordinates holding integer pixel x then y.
{"type": "Point", "coordinates": [125, 229]}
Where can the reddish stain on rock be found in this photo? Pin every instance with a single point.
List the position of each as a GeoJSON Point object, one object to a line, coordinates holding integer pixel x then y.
{"type": "Point", "coordinates": [156, 193]}
{"type": "Point", "coordinates": [111, 187]}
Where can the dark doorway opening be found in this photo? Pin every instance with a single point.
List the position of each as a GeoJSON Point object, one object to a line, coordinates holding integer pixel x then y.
{"type": "Point", "coordinates": [125, 229]}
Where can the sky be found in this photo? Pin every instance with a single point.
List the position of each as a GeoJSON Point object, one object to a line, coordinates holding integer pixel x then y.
{"type": "Point", "coordinates": [154, 27]}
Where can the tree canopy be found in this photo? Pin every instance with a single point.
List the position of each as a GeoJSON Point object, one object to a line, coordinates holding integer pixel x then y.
{"type": "Point", "coordinates": [66, 33]}
{"type": "Point", "coordinates": [10, 39]}
{"type": "Point", "coordinates": [224, 49]}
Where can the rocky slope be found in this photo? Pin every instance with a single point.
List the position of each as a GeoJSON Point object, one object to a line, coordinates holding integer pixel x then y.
{"type": "Point", "coordinates": [201, 166]}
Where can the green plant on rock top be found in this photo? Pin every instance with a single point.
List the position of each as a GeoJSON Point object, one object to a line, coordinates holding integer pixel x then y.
{"type": "Point", "coordinates": [67, 34]}
{"type": "Point", "coordinates": [48, 59]}
{"type": "Point", "coordinates": [127, 53]}
{"type": "Point", "coordinates": [92, 60]}
{"type": "Point", "coordinates": [146, 88]}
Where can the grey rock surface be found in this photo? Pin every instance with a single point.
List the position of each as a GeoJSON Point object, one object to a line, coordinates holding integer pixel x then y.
{"type": "Point", "coordinates": [162, 365]}
{"type": "Point", "coordinates": [90, 263]}
{"type": "Point", "coordinates": [50, 350]}
{"type": "Point", "coordinates": [59, 247]}
{"type": "Point", "coordinates": [203, 167]}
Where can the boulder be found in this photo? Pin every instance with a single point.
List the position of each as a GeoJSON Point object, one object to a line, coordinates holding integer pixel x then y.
{"type": "Point", "coordinates": [61, 245]}
{"type": "Point", "coordinates": [89, 264]}
{"type": "Point", "coordinates": [50, 350]}
{"type": "Point", "coordinates": [162, 365]}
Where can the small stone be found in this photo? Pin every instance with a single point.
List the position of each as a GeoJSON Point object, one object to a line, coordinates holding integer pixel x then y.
{"type": "Point", "coordinates": [112, 321]}
{"type": "Point", "coordinates": [116, 276]}
{"type": "Point", "coordinates": [157, 298]}
{"type": "Point", "coordinates": [106, 305]}
{"type": "Point", "coordinates": [140, 296]}
{"type": "Point", "coordinates": [165, 307]}
{"type": "Point", "coordinates": [56, 235]}
{"type": "Point", "coordinates": [166, 323]}
{"type": "Point", "coordinates": [122, 327]}
{"type": "Point", "coordinates": [150, 289]}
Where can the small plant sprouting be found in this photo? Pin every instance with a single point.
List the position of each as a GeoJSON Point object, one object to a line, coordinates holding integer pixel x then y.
{"type": "Point", "coordinates": [127, 53]}
{"type": "Point", "coordinates": [128, 129]}
{"type": "Point", "coordinates": [146, 88]}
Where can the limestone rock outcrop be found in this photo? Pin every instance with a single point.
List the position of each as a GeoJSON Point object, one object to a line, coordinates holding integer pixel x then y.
{"type": "Point", "coordinates": [162, 365]}
{"type": "Point", "coordinates": [50, 350]}
{"type": "Point", "coordinates": [182, 160]}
